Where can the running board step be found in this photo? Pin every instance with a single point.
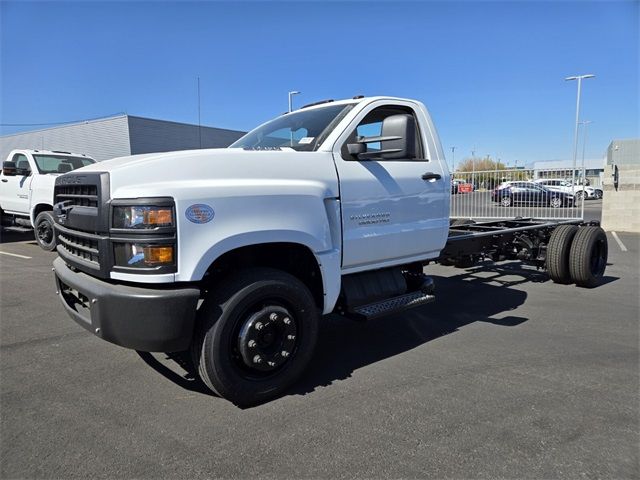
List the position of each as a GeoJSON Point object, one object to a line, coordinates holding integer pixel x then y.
{"type": "Point", "coordinates": [391, 305]}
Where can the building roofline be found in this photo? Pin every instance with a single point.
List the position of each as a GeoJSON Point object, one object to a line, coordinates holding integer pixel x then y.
{"type": "Point", "coordinates": [70, 124]}
{"type": "Point", "coordinates": [112, 117]}
{"type": "Point", "coordinates": [183, 123]}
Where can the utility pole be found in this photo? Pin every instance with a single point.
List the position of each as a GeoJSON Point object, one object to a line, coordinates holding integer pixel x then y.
{"type": "Point", "coordinates": [199, 122]}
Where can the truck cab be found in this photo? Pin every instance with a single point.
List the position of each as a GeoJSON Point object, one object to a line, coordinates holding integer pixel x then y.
{"type": "Point", "coordinates": [236, 253]}
{"type": "Point", "coordinates": [26, 188]}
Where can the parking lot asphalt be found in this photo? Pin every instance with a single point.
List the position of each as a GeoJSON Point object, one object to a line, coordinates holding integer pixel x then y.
{"type": "Point", "coordinates": [506, 375]}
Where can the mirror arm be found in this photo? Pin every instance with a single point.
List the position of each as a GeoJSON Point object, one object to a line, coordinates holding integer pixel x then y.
{"type": "Point", "coordinates": [378, 139]}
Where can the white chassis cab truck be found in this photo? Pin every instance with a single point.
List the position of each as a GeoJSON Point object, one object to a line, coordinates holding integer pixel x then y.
{"type": "Point", "coordinates": [26, 189]}
{"type": "Point", "coordinates": [236, 254]}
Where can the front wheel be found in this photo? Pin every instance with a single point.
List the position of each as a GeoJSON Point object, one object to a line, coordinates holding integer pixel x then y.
{"type": "Point", "coordinates": [43, 230]}
{"type": "Point", "coordinates": [255, 335]}
{"type": "Point", "coordinates": [506, 201]}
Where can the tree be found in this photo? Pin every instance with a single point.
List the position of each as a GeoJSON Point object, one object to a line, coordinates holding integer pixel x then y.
{"type": "Point", "coordinates": [480, 165]}
{"type": "Point", "coordinates": [486, 173]}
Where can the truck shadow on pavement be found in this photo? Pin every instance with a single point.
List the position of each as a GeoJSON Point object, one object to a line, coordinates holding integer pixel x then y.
{"type": "Point", "coordinates": [476, 295]}
{"type": "Point", "coordinates": [16, 234]}
{"type": "Point", "coordinates": [346, 345]}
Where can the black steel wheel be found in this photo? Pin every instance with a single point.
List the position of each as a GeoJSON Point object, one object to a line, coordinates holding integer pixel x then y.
{"type": "Point", "coordinates": [43, 230]}
{"type": "Point", "coordinates": [588, 257]}
{"type": "Point", "coordinates": [255, 335]}
{"type": "Point", "coordinates": [558, 253]}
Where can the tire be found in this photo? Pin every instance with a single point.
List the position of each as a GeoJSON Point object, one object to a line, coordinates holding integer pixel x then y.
{"type": "Point", "coordinates": [228, 322]}
{"type": "Point", "coordinates": [578, 197]}
{"type": "Point", "coordinates": [598, 194]}
{"type": "Point", "coordinates": [555, 202]}
{"type": "Point", "coordinates": [43, 231]}
{"type": "Point", "coordinates": [588, 258]}
{"type": "Point", "coordinates": [505, 201]}
{"type": "Point", "coordinates": [558, 251]}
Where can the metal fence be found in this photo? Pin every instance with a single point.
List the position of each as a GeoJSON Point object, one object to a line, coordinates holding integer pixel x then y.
{"type": "Point", "coordinates": [502, 194]}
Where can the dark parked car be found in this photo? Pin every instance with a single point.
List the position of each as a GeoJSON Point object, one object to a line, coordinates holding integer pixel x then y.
{"type": "Point", "coordinates": [530, 193]}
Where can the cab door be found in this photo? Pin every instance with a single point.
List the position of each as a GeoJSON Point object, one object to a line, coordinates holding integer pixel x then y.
{"type": "Point", "coordinates": [394, 209]}
{"type": "Point", "coordinates": [15, 190]}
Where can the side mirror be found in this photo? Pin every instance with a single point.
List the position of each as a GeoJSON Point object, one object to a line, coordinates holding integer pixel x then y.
{"type": "Point", "coordinates": [9, 168]}
{"type": "Point", "coordinates": [397, 140]}
{"type": "Point", "coordinates": [401, 144]}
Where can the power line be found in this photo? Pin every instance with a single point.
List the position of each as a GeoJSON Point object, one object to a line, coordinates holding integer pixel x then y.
{"type": "Point", "coordinates": [59, 123]}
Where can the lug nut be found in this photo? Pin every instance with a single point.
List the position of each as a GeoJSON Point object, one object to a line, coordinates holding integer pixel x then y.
{"type": "Point", "coordinates": [271, 364]}
{"type": "Point", "coordinates": [291, 337]}
{"type": "Point", "coordinates": [252, 343]}
{"type": "Point", "coordinates": [257, 359]}
{"type": "Point", "coordinates": [95, 300]}
{"type": "Point", "coordinates": [259, 326]}
{"type": "Point", "coordinates": [97, 330]}
{"type": "Point", "coordinates": [273, 316]}
{"type": "Point", "coordinates": [286, 320]}
{"type": "Point", "coordinates": [284, 353]}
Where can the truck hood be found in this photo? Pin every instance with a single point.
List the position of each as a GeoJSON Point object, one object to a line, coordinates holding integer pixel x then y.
{"type": "Point", "coordinates": [169, 173]}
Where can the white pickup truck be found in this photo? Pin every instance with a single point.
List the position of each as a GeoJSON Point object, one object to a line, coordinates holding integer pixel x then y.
{"type": "Point", "coordinates": [26, 188]}
{"type": "Point", "coordinates": [235, 254]}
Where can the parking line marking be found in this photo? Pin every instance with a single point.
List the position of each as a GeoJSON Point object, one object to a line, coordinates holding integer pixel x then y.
{"type": "Point", "coordinates": [620, 244]}
{"type": "Point", "coordinates": [15, 255]}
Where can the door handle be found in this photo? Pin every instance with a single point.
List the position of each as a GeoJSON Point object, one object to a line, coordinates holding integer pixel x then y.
{"type": "Point", "coordinates": [431, 176]}
{"type": "Point", "coordinates": [5, 180]}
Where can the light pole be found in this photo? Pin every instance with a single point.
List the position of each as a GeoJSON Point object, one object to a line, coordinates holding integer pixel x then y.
{"type": "Point", "coordinates": [579, 78]}
{"type": "Point", "coordinates": [453, 159]}
{"type": "Point", "coordinates": [291, 94]}
{"type": "Point", "coordinates": [585, 124]}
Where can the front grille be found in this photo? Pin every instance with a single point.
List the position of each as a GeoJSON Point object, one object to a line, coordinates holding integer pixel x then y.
{"type": "Point", "coordinates": [82, 247]}
{"type": "Point", "coordinates": [81, 195]}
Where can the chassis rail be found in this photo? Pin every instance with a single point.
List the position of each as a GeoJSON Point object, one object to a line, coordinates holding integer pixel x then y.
{"type": "Point", "coordinates": [525, 239]}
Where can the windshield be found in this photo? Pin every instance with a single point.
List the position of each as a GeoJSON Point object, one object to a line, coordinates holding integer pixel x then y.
{"type": "Point", "coordinates": [60, 163]}
{"type": "Point", "coordinates": [304, 130]}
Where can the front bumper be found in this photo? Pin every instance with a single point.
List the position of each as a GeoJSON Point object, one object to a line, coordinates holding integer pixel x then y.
{"type": "Point", "coordinates": [146, 319]}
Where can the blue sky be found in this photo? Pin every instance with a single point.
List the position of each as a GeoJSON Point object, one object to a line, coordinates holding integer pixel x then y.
{"type": "Point", "coordinates": [491, 73]}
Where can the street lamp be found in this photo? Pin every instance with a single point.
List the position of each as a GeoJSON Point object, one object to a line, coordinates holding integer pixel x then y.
{"type": "Point", "coordinates": [579, 78]}
{"type": "Point", "coordinates": [453, 159]}
{"type": "Point", "coordinates": [585, 124]}
{"type": "Point", "coordinates": [291, 94]}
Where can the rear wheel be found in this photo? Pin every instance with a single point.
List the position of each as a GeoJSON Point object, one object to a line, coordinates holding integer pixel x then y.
{"type": "Point", "coordinates": [588, 258]}
{"type": "Point", "coordinates": [43, 230]}
{"type": "Point", "coordinates": [579, 196]}
{"type": "Point", "coordinates": [598, 193]}
{"type": "Point", "coordinates": [558, 251]}
{"type": "Point", "coordinates": [506, 201]}
{"type": "Point", "coordinates": [255, 336]}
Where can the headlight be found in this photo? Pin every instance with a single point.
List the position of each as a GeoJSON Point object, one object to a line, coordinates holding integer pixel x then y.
{"type": "Point", "coordinates": [137, 255]}
{"type": "Point", "coordinates": [142, 217]}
